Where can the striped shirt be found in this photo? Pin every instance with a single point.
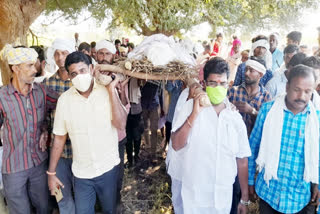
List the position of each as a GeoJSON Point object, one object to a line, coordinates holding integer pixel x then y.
{"type": "Point", "coordinates": [239, 93]}
{"type": "Point", "coordinates": [57, 84]}
{"type": "Point", "coordinates": [289, 193]}
{"type": "Point", "coordinates": [23, 119]}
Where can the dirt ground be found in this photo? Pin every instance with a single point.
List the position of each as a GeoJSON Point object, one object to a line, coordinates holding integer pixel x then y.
{"type": "Point", "coordinates": [146, 187]}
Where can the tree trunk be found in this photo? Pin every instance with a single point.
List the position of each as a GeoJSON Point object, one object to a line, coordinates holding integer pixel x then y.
{"type": "Point", "coordinates": [16, 16]}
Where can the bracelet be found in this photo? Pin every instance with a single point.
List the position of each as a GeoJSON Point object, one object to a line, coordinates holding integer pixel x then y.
{"type": "Point", "coordinates": [189, 123]}
{"type": "Point", "coordinates": [51, 173]}
{"type": "Point", "coordinates": [245, 203]}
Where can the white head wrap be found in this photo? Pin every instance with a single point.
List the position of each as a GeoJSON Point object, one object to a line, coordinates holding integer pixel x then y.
{"type": "Point", "coordinates": [276, 35]}
{"type": "Point", "coordinates": [256, 66]}
{"type": "Point", "coordinates": [64, 45]}
{"type": "Point", "coordinates": [268, 56]}
{"type": "Point", "coordinates": [107, 45]}
{"type": "Point", "coordinates": [260, 43]}
{"type": "Point", "coordinates": [59, 44]}
{"type": "Point", "coordinates": [16, 56]}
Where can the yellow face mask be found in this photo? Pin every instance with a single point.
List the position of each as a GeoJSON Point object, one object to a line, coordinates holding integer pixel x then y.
{"type": "Point", "coordinates": [216, 94]}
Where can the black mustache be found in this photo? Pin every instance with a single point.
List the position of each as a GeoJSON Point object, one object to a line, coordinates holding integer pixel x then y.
{"type": "Point", "coordinates": [105, 62]}
{"type": "Point", "coordinates": [300, 101]}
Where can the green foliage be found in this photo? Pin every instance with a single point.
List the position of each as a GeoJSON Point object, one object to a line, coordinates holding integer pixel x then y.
{"type": "Point", "coordinates": [251, 15]}
{"type": "Point", "coordinates": [167, 16]}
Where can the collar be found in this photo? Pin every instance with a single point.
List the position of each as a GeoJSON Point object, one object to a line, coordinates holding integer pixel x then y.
{"type": "Point", "coordinates": [275, 51]}
{"type": "Point", "coordinates": [12, 89]}
{"type": "Point", "coordinates": [261, 88]}
{"type": "Point", "coordinates": [57, 77]}
{"type": "Point", "coordinates": [283, 77]}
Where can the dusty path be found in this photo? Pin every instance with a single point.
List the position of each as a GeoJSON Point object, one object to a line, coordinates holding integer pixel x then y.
{"type": "Point", "coordinates": [146, 187]}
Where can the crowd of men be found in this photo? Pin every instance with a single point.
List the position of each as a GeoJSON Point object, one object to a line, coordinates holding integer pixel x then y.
{"type": "Point", "coordinates": [68, 133]}
{"type": "Point", "coordinates": [260, 138]}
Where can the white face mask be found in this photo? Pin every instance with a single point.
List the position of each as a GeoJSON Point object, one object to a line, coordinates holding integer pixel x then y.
{"type": "Point", "coordinates": [82, 82]}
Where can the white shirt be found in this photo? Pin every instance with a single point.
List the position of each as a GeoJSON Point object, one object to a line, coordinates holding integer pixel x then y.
{"type": "Point", "coordinates": [77, 43]}
{"type": "Point", "coordinates": [277, 85]}
{"type": "Point", "coordinates": [316, 100]}
{"type": "Point", "coordinates": [94, 139]}
{"type": "Point", "coordinates": [209, 163]}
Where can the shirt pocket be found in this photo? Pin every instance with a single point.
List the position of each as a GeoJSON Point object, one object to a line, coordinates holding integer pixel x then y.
{"type": "Point", "coordinates": [298, 146]}
{"type": "Point", "coordinates": [77, 122]}
{"type": "Point", "coordinates": [40, 111]}
{"type": "Point", "coordinates": [229, 145]}
{"type": "Point", "coordinates": [102, 116]}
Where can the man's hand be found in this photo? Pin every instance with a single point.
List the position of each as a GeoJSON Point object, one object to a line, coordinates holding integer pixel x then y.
{"type": "Point", "coordinates": [43, 141]}
{"type": "Point", "coordinates": [192, 90]}
{"type": "Point", "coordinates": [244, 107]}
{"type": "Point", "coordinates": [231, 83]}
{"type": "Point", "coordinates": [242, 209]}
{"type": "Point", "coordinates": [113, 84]}
{"type": "Point", "coordinates": [196, 105]}
{"type": "Point", "coordinates": [121, 85]}
{"type": "Point", "coordinates": [252, 194]}
{"type": "Point", "coordinates": [53, 182]}
{"type": "Point", "coordinates": [315, 195]}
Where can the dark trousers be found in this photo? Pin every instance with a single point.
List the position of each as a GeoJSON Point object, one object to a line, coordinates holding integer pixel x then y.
{"type": "Point", "coordinates": [168, 131]}
{"type": "Point", "coordinates": [121, 146]}
{"type": "Point", "coordinates": [236, 196]}
{"type": "Point", "coordinates": [265, 208]}
{"type": "Point", "coordinates": [27, 186]}
{"type": "Point", "coordinates": [103, 186]}
{"type": "Point", "coordinates": [134, 130]}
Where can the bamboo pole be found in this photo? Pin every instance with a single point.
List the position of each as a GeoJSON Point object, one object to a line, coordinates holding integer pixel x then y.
{"type": "Point", "coordinates": [190, 80]}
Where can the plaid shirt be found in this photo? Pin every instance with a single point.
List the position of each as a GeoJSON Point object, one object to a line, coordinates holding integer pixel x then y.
{"type": "Point", "coordinates": [23, 120]}
{"type": "Point", "coordinates": [57, 84]}
{"type": "Point", "coordinates": [289, 193]}
{"type": "Point", "coordinates": [240, 77]}
{"type": "Point", "coordinates": [239, 93]}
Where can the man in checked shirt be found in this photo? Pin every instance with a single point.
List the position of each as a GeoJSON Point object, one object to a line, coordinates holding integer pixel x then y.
{"type": "Point", "coordinates": [23, 108]}
{"type": "Point", "coordinates": [285, 147]}
{"type": "Point", "coordinates": [60, 82]}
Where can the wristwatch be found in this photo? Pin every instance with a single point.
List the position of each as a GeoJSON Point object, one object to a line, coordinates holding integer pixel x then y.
{"type": "Point", "coordinates": [245, 203]}
{"type": "Point", "coordinates": [254, 111]}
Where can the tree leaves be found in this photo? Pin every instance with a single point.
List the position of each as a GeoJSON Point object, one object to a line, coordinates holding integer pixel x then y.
{"type": "Point", "coordinates": [167, 16]}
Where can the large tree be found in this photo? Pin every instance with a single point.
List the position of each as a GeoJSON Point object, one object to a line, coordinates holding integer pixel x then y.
{"type": "Point", "coordinates": [251, 15]}
{"type": "Point", "coordinates": [16, 16]}
{"type": "Point", "coordinates": [148, 17]}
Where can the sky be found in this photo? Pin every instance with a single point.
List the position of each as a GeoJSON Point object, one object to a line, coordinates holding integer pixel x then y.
{"type": "Point", "coordinates": [89, 31]}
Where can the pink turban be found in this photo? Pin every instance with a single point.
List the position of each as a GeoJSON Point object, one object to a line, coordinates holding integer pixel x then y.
{"type": "Point", "coordinates": [234, 43]}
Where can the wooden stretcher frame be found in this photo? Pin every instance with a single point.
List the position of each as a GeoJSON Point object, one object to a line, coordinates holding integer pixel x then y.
{"type": "Point", "coordinates": [140, 75]}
